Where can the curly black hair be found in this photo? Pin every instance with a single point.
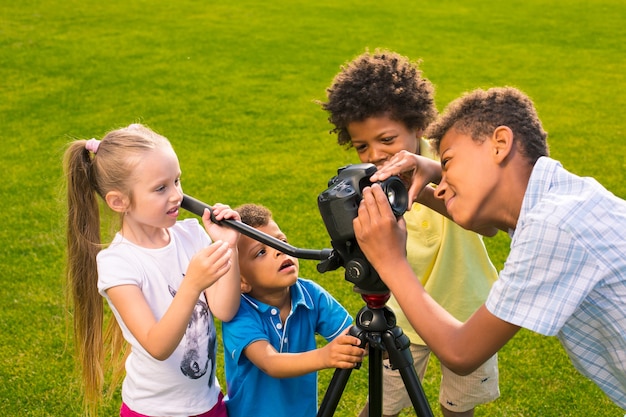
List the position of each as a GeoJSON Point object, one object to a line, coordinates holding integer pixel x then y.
{"type": "Point", "coordinates": [479, 112]}
{"type": "Point", "coordinates": [382, 83]}
{"type": "Point", "coordinates": [254, 215]}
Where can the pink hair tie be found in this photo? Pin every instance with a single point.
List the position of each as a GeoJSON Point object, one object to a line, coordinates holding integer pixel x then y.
{"type": "Point", "coordinates": [92, 145]}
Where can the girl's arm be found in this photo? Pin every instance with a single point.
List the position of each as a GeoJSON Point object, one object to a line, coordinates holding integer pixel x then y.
{"type": "Point", "coordinates": [160, 338]}
{"type": "Point", "coordinates": [224, 296]}
{"type": "Point", "coordinates": [341, 352]}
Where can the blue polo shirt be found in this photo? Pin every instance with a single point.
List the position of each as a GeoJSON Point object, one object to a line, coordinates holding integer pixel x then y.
{"type": "Point", "coordinates": [251, 392]}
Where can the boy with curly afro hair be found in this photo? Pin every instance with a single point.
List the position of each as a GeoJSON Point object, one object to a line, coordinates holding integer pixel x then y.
{"type": "Point", "coordinates": [380, 105]}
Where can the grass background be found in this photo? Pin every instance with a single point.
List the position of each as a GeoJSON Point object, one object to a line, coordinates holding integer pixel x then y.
{"type": "Point", "coordinates": [232, 85]}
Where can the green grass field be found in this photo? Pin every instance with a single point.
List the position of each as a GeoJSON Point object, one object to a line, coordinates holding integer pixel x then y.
{"type": "Point", "coordinates": [233, 84]}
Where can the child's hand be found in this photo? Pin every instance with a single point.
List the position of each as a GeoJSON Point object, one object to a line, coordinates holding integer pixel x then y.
{"type": "Point", "coordinates": [416, 171]}
{"type": "Point", "coordinates": [380, 235]}
{"type": "Point", "coordinates": [343, 352]}
{"type": "Point", "coordinates": [208, 265]}
{"type": "Point", "coordinates": [224, 233]}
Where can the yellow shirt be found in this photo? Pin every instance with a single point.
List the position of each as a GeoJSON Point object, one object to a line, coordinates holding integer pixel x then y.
{"type": "Point", "coordinates": [451, 262]}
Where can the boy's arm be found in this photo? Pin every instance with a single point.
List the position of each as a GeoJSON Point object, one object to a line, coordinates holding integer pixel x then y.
{"type": "Point", "coordinates": [420, 172]}
{"type": "Point", "coordinates": [462, 347]}
{"type": "Point", "coordinates": [342, 352]}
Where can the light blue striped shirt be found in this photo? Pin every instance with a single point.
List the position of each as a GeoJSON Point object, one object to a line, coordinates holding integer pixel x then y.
{"type": "Point", "coordinates": [566, 272]}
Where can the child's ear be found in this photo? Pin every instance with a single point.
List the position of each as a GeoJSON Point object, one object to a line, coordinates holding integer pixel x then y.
{"type": "Point", "coordinates": [245, 286]}
{"type": "Point", "coordinates": [502, 141]}
{"type": "Point", "coordinates": [117, 201]}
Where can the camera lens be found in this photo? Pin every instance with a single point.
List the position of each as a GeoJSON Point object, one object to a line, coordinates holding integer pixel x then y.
{"type": "Point", "coordinates": [397, 195]}
{"type": "Point", "coordinates": [391, 196]}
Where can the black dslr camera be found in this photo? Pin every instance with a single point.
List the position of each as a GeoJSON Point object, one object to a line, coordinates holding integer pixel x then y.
{"type": "Point", "coordinates": [339, 206]}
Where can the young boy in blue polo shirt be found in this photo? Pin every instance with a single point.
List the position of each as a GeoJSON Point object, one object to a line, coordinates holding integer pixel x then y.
{"type": "Point", "coordinates": [270, 349]}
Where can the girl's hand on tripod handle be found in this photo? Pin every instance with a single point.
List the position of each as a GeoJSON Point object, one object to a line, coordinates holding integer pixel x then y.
{"type": "Point", "coordinates": [343, 352]}
{"type": "Point", "coordinates": [217, 232]}
{"type": "Point", "coordinates": [223, 297]}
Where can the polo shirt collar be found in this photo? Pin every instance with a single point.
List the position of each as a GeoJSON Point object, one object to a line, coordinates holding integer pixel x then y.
{"type": "Point", "coordinates": [299, 297]}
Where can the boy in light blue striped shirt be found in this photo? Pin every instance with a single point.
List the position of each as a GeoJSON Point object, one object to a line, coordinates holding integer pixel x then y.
{"type": "Point", "coordinates": [565, 275]}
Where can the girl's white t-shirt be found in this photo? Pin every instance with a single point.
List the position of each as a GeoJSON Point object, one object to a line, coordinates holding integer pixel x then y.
{"type": "Point", "coordinates": [184, 384]}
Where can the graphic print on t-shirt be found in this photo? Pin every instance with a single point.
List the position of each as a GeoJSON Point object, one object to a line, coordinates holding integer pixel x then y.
{"type": "Point", "coordinates": [197, 359]}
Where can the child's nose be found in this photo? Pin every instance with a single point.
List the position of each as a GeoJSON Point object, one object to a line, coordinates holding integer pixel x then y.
{"type": "Point", "coordinates": [376, 156]}
{"type": "Point", "coordinates": [440, 190]}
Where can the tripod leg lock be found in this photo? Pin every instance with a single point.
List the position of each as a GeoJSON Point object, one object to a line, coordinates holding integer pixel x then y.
{"type": "Point", "coordinates": [397, 344]}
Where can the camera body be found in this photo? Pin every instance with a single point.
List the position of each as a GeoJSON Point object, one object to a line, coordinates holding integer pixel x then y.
{"type": "Point", "coordinates": [339, 205]}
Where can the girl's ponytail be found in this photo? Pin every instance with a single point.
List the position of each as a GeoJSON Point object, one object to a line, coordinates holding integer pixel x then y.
{"type": "Point", "coordinates": [83, 244]}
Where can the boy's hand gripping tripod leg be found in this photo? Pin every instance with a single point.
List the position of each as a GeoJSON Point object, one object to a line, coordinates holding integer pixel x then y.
{"type": "Point", "coordinates": [376, 325]}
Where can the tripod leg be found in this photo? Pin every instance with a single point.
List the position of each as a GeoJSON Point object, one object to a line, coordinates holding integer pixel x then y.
{"type": "Point", "coordinates": [397, 345]}
{"type": "Point", "coordinates": [333, 394]}
{"type": "Point", "coordinates": [375, 382]}
{"type": "Point", "coordinates": [338, 382]}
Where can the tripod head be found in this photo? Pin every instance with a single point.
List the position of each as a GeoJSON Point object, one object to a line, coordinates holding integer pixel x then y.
{"type": "Point", "coordinates": [330, 259]}
{"type": "Point", "coordinates": [338, 206]}
{"type": "Point", "coordinates": [346, 254]}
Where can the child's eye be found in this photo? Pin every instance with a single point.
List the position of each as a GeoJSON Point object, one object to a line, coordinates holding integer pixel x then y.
{"type": "Point", "coordinates": [160, 189]}
{"type": "Point", "coordinates": [260, 253]}
{"type": "Point", "coordinates": [360, 148]}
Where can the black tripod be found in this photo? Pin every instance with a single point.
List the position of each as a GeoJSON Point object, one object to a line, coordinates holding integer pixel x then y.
{"type": "Point", "coordinates": [376, 325]}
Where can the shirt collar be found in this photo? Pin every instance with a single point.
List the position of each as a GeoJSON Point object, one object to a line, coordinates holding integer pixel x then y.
{"type": "Point", "coordinates": [299, 297]}
{"type": "Point", "coordinates": [539, 184]}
